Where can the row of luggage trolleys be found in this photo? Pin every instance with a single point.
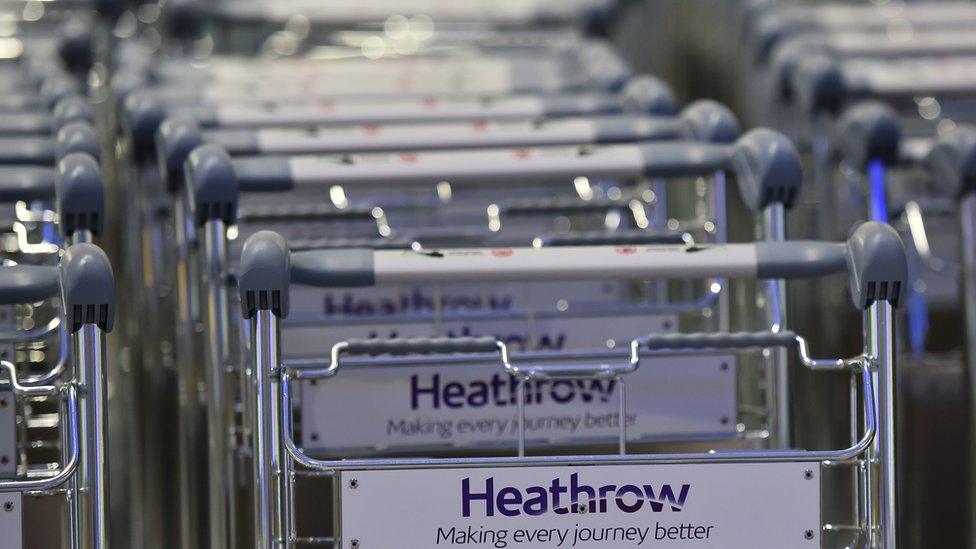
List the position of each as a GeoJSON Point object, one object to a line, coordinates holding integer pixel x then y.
{"type": "Point", "coordinates": [526, 323]}
{"type": "Point", "coordinates": [506, 315]}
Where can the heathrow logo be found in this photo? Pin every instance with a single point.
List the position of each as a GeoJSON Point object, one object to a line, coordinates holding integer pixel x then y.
{"type": "Point", "coordinates": [561, 497]}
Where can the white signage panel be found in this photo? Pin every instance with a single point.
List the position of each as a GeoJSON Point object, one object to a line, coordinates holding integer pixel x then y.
{"type": "Point", "coordinates": [708, 506]}
{"type": "Point", "coordinates": [473, 402]}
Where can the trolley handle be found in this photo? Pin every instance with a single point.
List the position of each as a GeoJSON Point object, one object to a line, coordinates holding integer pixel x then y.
{"type": "Point", "coordinates": [560, 205]}
{"type": "Point", "coordinates": [765, 164]}
{"type": "Point", "coordinates": [952, 161]}
{"type": "Point", "coordinates": [818, 85]}
{"type": "Point", "coordinates": [27, 283]}
{"type": "Point", "coordinates": [379, 243]}
{"type": "Point", "coordinates": [87, 286]}
{"type": "Point", "coordinates": [611, 238]}
{"type": "Point", "coordinates": [76, 137]}
{"type": "Point", "coordinates": [421, 346]}
{"type": "Point", "coordinates": [72, 108]}
{"type": "Point", "coordinates": [873, 258]}
{"type": "Point", "coordinates": [27, 150]}
{"type": "Point", "coordinates": [869, 131]}
{"type": "Point", "coordinates": [26, 183]}
{"type": "Point", "coordinates": [703, 120]}
{"type": "Point", "coordinates": [710, 122]}
{"type": "Point", "coordinates": [733, 340]}
{"type": "Point", "coordinates": [80, 194]}
{"type": "Point", "coordinates": [313, 212]}
{"type": "Point", "coordinates": [75, 184]}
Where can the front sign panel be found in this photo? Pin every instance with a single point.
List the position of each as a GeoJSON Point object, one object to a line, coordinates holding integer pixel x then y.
{"type": "Point", "coordinates": [474, 403]}
{"type": "Point", "coordinates": [718, 506]}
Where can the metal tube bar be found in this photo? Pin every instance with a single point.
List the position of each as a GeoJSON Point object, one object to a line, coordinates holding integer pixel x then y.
{"type": "Point", "coordinates": [548, 264]}
{"type": "Point", "coordinates": [221, 470]}
{"type": "Point", "coordinates": [774, 230]}
{"type": "Point", "coordinates": [881, 347]}
{"type": "Point", "coordinates": [91, 360]}
{"type": "Point", "coordinates": [71, 453]}
{"type": "Point", "coordinates": [265, 340]}
{"type": "Point", "coordinates": [967, 223]}
{"type": "Point", "coordinates": [187, 390]}
{"type": "Point", "coordinates": [761, 456]}
{"type": "Point", "coordinates": [14, 336]}
{"type": "Point", "coordinates": [820, 150]}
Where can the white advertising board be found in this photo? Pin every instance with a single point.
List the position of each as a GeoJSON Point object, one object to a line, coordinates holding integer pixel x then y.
{"type": "Point", "coordinates": [715, 505]}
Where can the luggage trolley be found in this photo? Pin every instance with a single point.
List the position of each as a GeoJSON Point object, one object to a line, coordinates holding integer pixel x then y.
{"type": "Point", "coordinates": [929, 92]}
{"type": "Point", "coordinates": [145, 111]}
{"type": "Point", "coordinates": [142, 145]}
{"type": "Point", "coordinates": [706, 121]}
{"type": "Point", "coordinates": [87, 293]}
{"type": "Point", "coordinates": [702, 120]}
{"type": "Point", "coordinates": [952, 158]}
{"type": "Point", "coordinates": [883, 184]}
{"type": "Point", "coordinates": [215, 180]}
{"type": "Point", "coordinates": [584, 66]}
{"type": "Point", "coordinates": [869, 34]}
{"type": "Point", "coordinates": [821, 87]}
{"type": "Point", "coordinates": [767, 26]}
{"type": "Point", "coordinates": [500, 499]}
{"type": "Point", "coordinates": [914, 182]}
{"type": "Point", "coordinates": [28, 173]}
{"type": "Point", "coordinates": [940, 189]}
{"type": "Point", "coordinates": [87, 298]}
{"type": "Point", "coordinates": [249, 26]}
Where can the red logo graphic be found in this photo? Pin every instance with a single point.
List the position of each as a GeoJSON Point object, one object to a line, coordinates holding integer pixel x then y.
{"type": "Point", "coordinates": [626, 250]}
{"type": "Point", "coordinates": [408, 158]}
{"type": "Point", "coordinates": [503, 252]}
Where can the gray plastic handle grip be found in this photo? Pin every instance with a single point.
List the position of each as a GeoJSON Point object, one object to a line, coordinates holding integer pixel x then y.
{"type": "Point", "coordinates": [422, 346]}
{"type": "Point", "coordinates": [800, 259]}
{"type": "Point", "coordinates": [27, 150]}
{"type": "Point", "coordinates": [80, 195]}
{"type": "Point", "coordinates": [26, 123]}
{"type": "Point", "coordinates": [868, 131]}
{"type": "Point", "coordinates": [305, 212]}
{"type": "Point", "coordinates": [952, 160]}
{"type": "Point", "coordinates": [877, 265]}
{"type": "Point", "coordinates": [734, 340]}
{"type": "Point", "coordinates": [237, 142]}
{"type": "Point", "coordinates": [26, 183]}
{"type": "Point", "coordinates": [351, 267]}
{"type": "Point", "coordinates": [819, 85]}
{"type": "Point", "coordinates": [561, 205]}
{"type": "Point", "coordinates": [611, 238]}
{"type": "Point", "coordinates": [767, 169]}
{"type": "Point", "coordinates": [27, 283]}
{"type": "Point", "coordinates": [684, 159]}
{"type": "Point", "coordinates": [87, 286]}
{"type": "Point", "coordinates": [264, 174]}
{"type": "Point", "coordinates": [395, 243]}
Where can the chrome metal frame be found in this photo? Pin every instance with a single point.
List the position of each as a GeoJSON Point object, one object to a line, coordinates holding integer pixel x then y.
{"type": "Point", "coordinates": [205, 264]}
{"type": "Point", "coordinates": [82, 477]}
{"type": "Point", "coordinates": [870, 455]}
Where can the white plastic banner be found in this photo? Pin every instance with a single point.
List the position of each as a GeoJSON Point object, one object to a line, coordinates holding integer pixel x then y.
{"type": "Point", "coordinates": [718, 506]}
{"type": "Point", "coordinates": [474, 403]}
